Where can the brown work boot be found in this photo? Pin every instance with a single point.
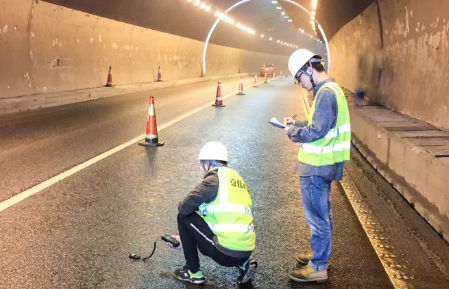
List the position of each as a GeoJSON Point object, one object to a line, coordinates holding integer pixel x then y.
{"type": "Point", "coordinates": [307, 274]}
{"type": "Point", "coordinates": [303, 258]}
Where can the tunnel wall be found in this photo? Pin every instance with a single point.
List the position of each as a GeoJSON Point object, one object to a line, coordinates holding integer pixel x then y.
{"type": "Point", "coordinates": [408, 71]}
{"type": "Point", "coordinates": [356, 52]}
{"type": "Point", "coordinates": [397, 52]}
{"type": "Point", "coordinates": [49, 48]}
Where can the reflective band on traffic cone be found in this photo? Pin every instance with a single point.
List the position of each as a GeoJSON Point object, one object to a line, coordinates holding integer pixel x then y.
{"type": "Point", "coordinates": [218, 98]}
{"type": "Point", "coordinates": [159, 74]}
{"type": "Point", "coordinates": [265, 80]}
{"type": "Point", "coordinates": [151, 139]}
{"type": "Point", "coordinates": [109, 81]}
{"type": "Point", "coordinates": [255, 81]}
{"type": "Point", "coordinates": [240, 92]}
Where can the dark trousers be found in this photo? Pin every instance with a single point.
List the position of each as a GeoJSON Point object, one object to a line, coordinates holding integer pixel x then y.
{"type": "Point", "coordinates": [196, 235]}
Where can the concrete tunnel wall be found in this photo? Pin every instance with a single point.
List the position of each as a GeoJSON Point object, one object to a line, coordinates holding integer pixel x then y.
{"type": "Point", "coordinates": [50, 48]}
{"type": "Point", "coordinates": [404, 65]}
{"type": "Point", "coordinates": [398, 52]}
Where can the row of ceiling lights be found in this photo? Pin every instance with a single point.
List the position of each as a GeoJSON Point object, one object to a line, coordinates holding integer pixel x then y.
{"type": "Point", "coordinates": [281, 42]}
{"type": "Point", "coordinates": [224, 17]}
{"type": "Point", "coordinates": [314, 5]}
{"type": "Point", "coordinates": [312, 17]}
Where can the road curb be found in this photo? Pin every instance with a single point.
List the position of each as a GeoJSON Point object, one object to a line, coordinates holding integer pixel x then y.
{"type": "Point", "coordinates": [45, 100]}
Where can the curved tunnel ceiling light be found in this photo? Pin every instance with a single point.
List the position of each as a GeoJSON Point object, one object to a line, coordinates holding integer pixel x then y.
{"type": "Point", "coordinates": [246, 29]}
{"type": "Point", "coordinates": [196, 3]}
{"type": "Point", "coordinates": [314, 4]}
{"type": "Point", "coordinates": [245, 1]}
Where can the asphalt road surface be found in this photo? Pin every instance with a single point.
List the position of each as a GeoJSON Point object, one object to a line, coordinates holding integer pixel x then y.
{"type": "Point", "coordinates": [78, 232]}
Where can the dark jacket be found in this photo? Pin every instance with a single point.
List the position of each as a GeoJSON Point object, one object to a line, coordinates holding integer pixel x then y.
{"type": "Point", "coordinates": [204, 192]}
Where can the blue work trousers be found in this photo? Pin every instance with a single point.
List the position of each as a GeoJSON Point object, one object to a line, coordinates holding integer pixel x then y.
{"type": "Point", "coordinates": [316, 192]}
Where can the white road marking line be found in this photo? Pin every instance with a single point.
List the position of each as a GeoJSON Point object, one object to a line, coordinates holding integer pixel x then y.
{"type": "Point", "coordinates": [36, 189]}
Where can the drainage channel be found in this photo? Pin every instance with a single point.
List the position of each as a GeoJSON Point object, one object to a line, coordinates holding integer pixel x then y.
{"type": "Point", "coordinates": [412, 253]}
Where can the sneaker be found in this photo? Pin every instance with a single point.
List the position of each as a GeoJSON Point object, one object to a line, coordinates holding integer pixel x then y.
{"type": "Point", "coordinates": [247, 271]}
{"type": "Point", "coordinates": [187, 276]}
{"type": "Point", "coordinates": [307, 274]}
{"type": "Point", "coordinates": [303, 258]}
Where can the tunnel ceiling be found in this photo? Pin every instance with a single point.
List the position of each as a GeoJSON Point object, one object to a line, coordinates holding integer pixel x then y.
{"type": "Point", "coordinates": [182, 18]}
{"type": "Point", "coordinates": [331, 14]}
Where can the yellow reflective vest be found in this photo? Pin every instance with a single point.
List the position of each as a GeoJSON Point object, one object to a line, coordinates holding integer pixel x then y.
{"type": "Point", "coordinates": [229, 216]}
{"type": "Point", "coordinates": [336, 145]}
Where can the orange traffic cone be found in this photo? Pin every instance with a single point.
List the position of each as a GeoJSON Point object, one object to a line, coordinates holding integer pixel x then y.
{"type": "Point", "coordinates": [265, 80]}
{"type": "Point", "coordinates": [219, 99]}
{"type": "Point", "coordinates": [255, 81]}
{"type": "Point", "coordinates": [280, 75]}
{"type": "Point", "coordinates": [274, 75]}
{"type": "Point", "coordinates": [240, 92]}
{"type": "Point", "coordinates": [159, 74]}
{"type": "Point", "coordinates": [151, 139]}
{"type": "Point", "coordinates": [109, 81]}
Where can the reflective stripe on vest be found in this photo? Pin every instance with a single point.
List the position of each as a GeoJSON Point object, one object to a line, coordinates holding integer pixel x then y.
{"type": "Point", "coordinates": [229, 216]}
{"type": "Point", "coordinates": [232, 228]}
{"type": "Point", "coordinates": [317, 150]}
{"type": "Point", "coordinates": [226, 208]}
{"type": "Point", "coordinates": [335, 146]}
{"type": "Point", "coordinates": [334, 132]}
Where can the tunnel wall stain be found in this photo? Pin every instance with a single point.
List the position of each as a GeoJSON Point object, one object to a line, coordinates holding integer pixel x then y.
{"type": "Point", "coordinates": [49, 48]}
{"type": "Point", "coordinates": [410, 73]}
{"type": "Point", "coordinates": [356, 52]}
{"type": "Point", "coordinates": [407, 72]}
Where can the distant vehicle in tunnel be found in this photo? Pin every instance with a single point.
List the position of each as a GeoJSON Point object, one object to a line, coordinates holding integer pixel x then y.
{"type": "Point", "coordinates": [269, 69]}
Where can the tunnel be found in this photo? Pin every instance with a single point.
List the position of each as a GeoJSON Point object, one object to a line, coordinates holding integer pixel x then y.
{"type": "Point", "coordinates": [75, 73]}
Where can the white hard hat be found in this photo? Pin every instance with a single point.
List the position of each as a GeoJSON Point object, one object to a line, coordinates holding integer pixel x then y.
{"type": "Point", "coordinates": [298, 59]}
{"type": "Point", "coordinates": [214, 150]}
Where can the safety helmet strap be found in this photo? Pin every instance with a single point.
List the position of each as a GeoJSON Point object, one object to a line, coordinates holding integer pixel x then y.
{"type": "Point", "coordinates": [301, 71]}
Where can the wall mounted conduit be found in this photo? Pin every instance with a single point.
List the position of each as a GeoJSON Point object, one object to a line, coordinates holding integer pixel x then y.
{"type": "Point", "coordinates": [244, 1]}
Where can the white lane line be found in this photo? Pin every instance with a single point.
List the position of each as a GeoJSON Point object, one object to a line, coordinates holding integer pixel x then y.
{"type": "Point", "coordinates": [36, 189]}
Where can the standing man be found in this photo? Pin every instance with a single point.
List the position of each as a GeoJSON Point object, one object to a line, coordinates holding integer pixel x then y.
{"type": "Point", "coordinates": [325, 144]}
{"type": "Point", "coordinates": [223, 229]}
